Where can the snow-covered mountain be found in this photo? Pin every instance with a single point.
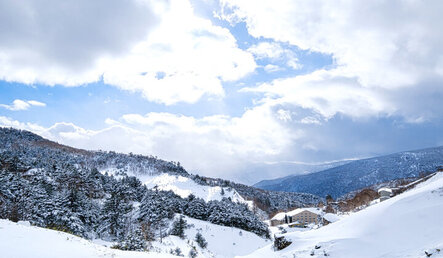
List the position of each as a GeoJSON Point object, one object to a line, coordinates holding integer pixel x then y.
{"type": "Point", "coordinates": [31, 148]}
{"type": "Point", "coordinates": [407, 225]}
{"type": "Point", "coordinates": [254, 172]}
{"type": "Point", "coordinates": [123, 198]}
{"type": "Point", "coordinates": [358, 174]}
{"type": "Point", "coordinates": [100, 196]}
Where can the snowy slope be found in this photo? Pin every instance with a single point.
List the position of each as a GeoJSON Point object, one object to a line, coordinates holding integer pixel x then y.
{"type": "Point", "coordinates": [222, 241]}
{"type": "Point", "coordinates": [404, 226]}
{"type": "Point", "coordinates": [184, 186]}
{"type": "Point", "coordinates": [20, 241]}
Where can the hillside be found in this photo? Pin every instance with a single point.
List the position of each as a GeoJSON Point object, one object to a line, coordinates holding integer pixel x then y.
{"type": "Point", "coordinates": [358, 174]}
{"type": "Point", "coordinates": [407, 225]}
{"type": "Point", "coordinates": [23, 147]}
{"type": "Point", "coordinates": [99, 195]}
{"type": "Point", "coordinates": [18, 240]}
{"type": "Point", "coordinates": [48, 243]}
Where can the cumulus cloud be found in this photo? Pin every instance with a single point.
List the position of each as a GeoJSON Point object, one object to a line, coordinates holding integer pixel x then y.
{"type": "Point", "coordinates": [275, 52]}
{"type": "Point", "coordinates": [19, 104]}
{"type": "Point", "coordinates": [267, 50]}
{"type": "Point", "coordinates": [158, 48]}
{"type": "Point", "coordinates": [381, 51]}
{"type": "Point", "coordinates": [185, 58]}
{"type": "Point", "coordinates": [270, 68]}
{"type": "Point", "coordinates": [228, 142]}
{"type": "Point", "coordinates": [53, 42]}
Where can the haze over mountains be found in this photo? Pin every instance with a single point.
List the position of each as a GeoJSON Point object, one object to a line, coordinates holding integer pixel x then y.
{"type": "Point", "coordinates": [358, 174]}
{"type": "Point", "coordinates": [255, 172]}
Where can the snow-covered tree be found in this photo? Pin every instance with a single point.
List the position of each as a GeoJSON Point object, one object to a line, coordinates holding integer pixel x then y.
{"type": "Point", "coordinates": [134, 241]}
{"type": "Point", "coordinates": [178, 227]}
{"type": "Point", "coordinates": [201, 241]}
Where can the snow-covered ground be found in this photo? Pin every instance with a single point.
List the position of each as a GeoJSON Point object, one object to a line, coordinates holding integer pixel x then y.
{"type": "Point", "coordinates": [21, 241]}
{"type": "Point", "coordinates": [222, 241]}
{"type": "Point", "coordinates": [184, 186]}
{"type": "Point", "coordinates": [404, 226]}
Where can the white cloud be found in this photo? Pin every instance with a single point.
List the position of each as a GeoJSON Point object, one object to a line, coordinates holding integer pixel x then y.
{"type": "Point", "coordinates": [215, 145]}
{"type": "Point", "coordinates": [53, 42]}
{"type": "Point", "coordinates": [8, 122]}
{"type": "Point", "coordinates": [36, 103]}
{"type": "Point", "coordinates": [270, 68]}
{"type": "Point", "coordinates": [193, 57]}
{"type": "Point", "coordinates": [158, 48]}
{"type": "Point", "coordinates": [19, 104]}
{"type": "Point", "coordinates": [275, 52]}
{"type": "Point", "coordinates": [382, 50]}
{"type": "Point", "coordinates": [271, 50]}
{"type": "Point", "coordinates": [327, 94]}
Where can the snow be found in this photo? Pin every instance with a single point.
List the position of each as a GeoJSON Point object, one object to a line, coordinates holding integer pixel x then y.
{"type": "Point", "coordinates": [281, 215]}
{"type": "Point", "coordinates": [184, 186]}
{"type": "Point", "coordinates": [384, 189]}
{"type": "Point", "coordinates": [406, 225]}
{"type": "Point", "coordinates": [22, 241]}
{"type": "Point", "coordinates": [331, 217]}
{"type": "Point", "coordinates": [222, 241]}
{"type": "Point", "coordinates": [180, 185]}
{"type": "Point", "coordinates": [24, 223]}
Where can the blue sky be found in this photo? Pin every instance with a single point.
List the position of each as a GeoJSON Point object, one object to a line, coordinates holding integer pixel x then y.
{"type": "Point", "coordinates": [223, 85]}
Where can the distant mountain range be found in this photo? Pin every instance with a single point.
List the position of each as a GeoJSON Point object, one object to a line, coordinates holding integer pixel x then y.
{"type": "Point", "coordinates": [359, 174]}
{"type": "Point", "coordinates": [254, 172]}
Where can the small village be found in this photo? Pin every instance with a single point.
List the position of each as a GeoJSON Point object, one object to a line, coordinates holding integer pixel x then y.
{"type": "Point", "coordinates": [314, 217]}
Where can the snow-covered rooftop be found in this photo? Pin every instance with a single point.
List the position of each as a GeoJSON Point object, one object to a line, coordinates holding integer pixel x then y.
{"type": "Point", "coordinates": [281, 215]}
{"type": "Point", "coordinates": [331, 217]}
{"type": "Point", "coordinates": [385, 189]}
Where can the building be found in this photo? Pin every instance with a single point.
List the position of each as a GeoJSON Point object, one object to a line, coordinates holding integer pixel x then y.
{"type": "Point", "coordinates": [385, 193]}
{"type": "Point", "coordinates": [302, 216]}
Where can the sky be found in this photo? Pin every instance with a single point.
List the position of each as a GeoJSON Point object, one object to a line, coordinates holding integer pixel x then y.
{"type": "Point", "coordinates": [226, 87]}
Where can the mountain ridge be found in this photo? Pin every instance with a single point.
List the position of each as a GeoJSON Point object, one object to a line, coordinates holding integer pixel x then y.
{"type": "Point", "coordinates": [359, 174]}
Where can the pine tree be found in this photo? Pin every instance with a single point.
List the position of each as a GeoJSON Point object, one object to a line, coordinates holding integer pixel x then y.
{"type": "Point", "coordinates": [114, 213]}
{"type": "Point", "coordinates": [197, 208]}
{"type": "Point", "coordinates": [178, 227]}
{"type": "Point", "coordinates": [193, 252]}
{"type": "Point", "coordinates": [177, 251]}
{"type": "Point", "coordinates": [134, 241]}
{"type": "Point", "coordinates": [201, 241]}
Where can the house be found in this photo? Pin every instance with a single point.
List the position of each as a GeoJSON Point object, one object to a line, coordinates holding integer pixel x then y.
{"type": "Point", "coordinates": [303, 216]}
{"type": "Point", "coordinates": [385, 193]}
{"type": "Point", "coordinates": [330, 218]}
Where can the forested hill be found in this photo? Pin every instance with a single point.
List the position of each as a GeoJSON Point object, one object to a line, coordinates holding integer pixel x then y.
{"type": "Point", "coordinates": [59, 187]}
{"type": "Point", "coordinates": [100, 194]}
{"type": "Point", "coordinates": [35, 151]}
{"type": "Point", "coordinates": [359, 174]}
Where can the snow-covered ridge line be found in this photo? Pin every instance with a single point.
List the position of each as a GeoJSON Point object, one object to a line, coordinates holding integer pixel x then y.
{"type": "Point", "coordinates": [184, 186]}
{"type": "Point", "coordinates": [359, 174]}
